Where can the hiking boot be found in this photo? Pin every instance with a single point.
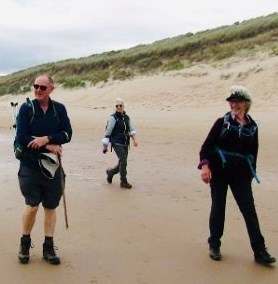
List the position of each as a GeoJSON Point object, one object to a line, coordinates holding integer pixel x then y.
{"type": "Point", "coordinates": [109, 176]}
{"type": "Point", "coordinates": [263, 257]}
{"type": "Point", "coordinates": [49, 253]}
{"type": "Point", "coordinates": [215, 253]}
{"type": "Point", "coordinates": [23, 255]}
{"type": "Point", "coordinates": [125, 184]}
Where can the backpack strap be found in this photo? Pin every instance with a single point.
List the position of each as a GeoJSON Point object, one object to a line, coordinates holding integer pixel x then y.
{"type": "Point", "coordinates": [55, 105]}
{"type": "Point", "coordinates": [31, 109]}
{"type": "Point", "coordinates": [227, 118]}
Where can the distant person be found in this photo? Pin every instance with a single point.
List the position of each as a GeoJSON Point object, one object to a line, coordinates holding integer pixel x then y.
{"type": "Point", "coordinates": [118, 132]}
{"type": "Point", "coordinates": [228, 158]}
{"type": "Point", "coordinates": [41, 131]}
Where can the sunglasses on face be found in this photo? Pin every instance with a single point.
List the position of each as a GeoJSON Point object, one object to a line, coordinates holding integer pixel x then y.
{"type": "Point", "coordinates": [119, 105]}
{"type": "Point", "coordinates": [236, 102]}
{"type": "Point", "coordinates": [41, 87]}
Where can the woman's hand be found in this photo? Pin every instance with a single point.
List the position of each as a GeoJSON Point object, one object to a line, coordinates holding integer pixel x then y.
{"type": "Point", "coordinates": [206, 173]}
{"type": "Point", "coordinates": [135, 143]}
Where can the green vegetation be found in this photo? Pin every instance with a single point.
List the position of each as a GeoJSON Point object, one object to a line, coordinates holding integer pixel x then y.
{"type": "Point", "coordinates": [72, 83]}
{"type": "Point", "coordinates": [175, 64]}
{"type": "Point", "coordinates": [165, 55]}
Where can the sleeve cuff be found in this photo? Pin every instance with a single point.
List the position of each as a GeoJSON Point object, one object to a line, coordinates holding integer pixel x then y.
{"type": "Point", "coordinates": [105, 142]}
{"type": "Point", "coordinates": [132, 132]}
{"type": "Point", "coordinates": [203, 162]}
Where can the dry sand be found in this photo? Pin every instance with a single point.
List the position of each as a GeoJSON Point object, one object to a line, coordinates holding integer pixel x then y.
{"type": "Point", "coordinates": [156, 233]}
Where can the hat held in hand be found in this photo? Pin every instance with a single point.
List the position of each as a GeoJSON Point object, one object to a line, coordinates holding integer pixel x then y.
{"type": "Point", "coordinates": [49, 163]}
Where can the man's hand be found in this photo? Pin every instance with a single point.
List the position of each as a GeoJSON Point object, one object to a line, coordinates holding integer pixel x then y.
{"type": "Point", "coordinates": [55, 149]}
{"type": "Point", "coordinates": [38, 142]}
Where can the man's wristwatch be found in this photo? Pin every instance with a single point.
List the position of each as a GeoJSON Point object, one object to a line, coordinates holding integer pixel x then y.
{"type": "Point", "coordinates": [50, 138]}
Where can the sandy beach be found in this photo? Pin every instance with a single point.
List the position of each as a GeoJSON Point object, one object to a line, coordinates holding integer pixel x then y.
{"type": "Point", "coordinates": [157, 232]}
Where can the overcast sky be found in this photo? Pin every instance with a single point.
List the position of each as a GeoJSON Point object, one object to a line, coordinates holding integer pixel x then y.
{"type": "Point", "coordinates": [33, 32]}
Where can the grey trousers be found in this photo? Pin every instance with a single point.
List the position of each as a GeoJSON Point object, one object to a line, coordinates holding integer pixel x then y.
{"type": "Point", "coordinates": [122, 154]}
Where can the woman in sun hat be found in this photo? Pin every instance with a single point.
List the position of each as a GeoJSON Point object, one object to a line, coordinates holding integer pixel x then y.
{"type": "Point", "coordinates": [228, 157]}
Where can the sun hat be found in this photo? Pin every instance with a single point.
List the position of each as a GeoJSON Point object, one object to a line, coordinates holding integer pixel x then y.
{"type": "Point", "coordinates": [49, 163]}
{"type": "Point", "coordinates": [239, 94]}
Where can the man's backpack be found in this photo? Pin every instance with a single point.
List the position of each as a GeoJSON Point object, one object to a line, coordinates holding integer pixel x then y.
{"type": "Point", "coordinates": [18, 148]}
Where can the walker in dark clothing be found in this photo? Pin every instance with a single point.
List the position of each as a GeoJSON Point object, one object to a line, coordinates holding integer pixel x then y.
{"type": "Point", "coordinates": [35, 183]}
{"type": "Point", "coordinates": [231, 150]}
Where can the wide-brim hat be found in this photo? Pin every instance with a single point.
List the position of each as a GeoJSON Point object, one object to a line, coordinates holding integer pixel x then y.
{"type": "Point", "coordinates": [239, 94]}
{"type": "Point", "coordinates": [49, 163]}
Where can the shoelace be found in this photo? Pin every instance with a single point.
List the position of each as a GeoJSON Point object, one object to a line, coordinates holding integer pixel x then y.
{"type": "Point", "coordinates": [25, 248]}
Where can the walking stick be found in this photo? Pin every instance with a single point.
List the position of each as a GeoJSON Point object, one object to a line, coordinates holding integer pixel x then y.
{"type": "Point", "coordinates": [65, 209]}
{"type": "Point", "coordinates": [63, 180]}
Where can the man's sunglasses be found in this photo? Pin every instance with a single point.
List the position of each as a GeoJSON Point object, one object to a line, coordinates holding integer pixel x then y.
{"type": "Point", "coordinates": [119, 105]}
{"type": "Point", "coordinates": [41, 87]}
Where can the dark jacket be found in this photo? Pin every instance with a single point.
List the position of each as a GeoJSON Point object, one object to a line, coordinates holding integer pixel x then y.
{"type": "Point", "coordinates": [227, 135]}
{"type": "Point", "coordinates": [54, 123]}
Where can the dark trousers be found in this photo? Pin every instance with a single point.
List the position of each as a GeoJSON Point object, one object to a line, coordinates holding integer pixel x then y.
{"type": "Point", "coordinates": [242, 192]}
{"type": "Point", "coordinates": [122, 153]}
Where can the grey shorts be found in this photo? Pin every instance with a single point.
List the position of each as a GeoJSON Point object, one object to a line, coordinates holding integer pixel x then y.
{"type": "Point", "coordinates": [36, 188]}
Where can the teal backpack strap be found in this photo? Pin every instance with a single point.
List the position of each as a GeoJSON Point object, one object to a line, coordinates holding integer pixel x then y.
{"type": "Point", "coordinates": [221, 154]}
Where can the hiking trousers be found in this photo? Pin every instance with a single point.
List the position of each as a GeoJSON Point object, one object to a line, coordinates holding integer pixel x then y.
{"type": "Point", "coordinates": [242, 192]}
{"type": "Point", "coordinates": [122, 153]}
